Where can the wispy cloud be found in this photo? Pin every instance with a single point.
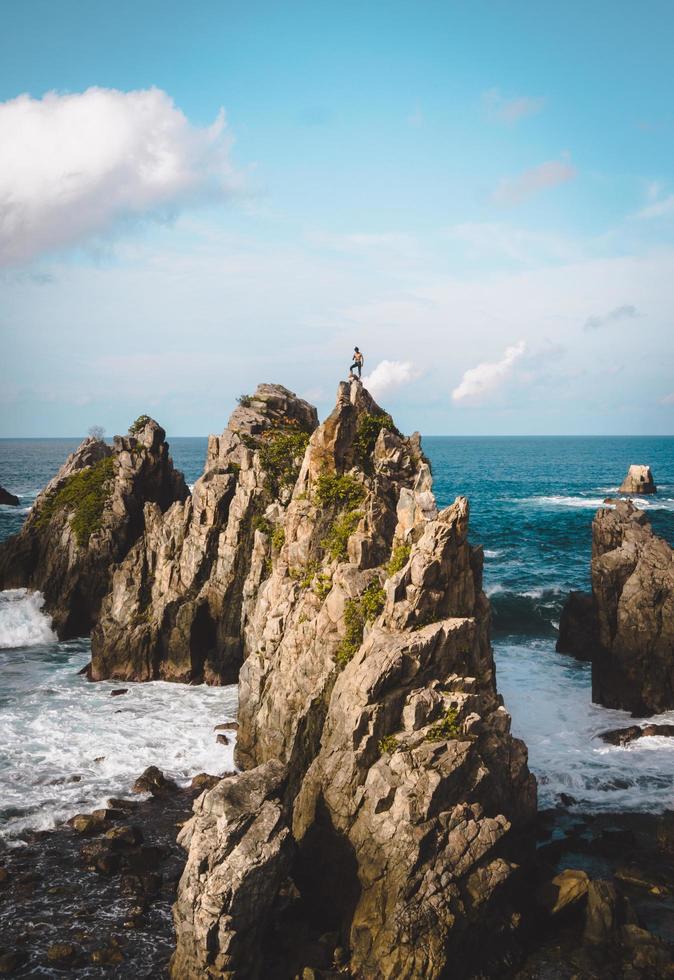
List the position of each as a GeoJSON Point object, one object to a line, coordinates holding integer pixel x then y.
{"type": "Point", "coordinates": [73, 166]}
{"type": "Point", "coordinates": [658, 209]}
{"type": "Point", "coordinates": [514, 190]}
{"type": "Point", "coordinates": [668, 399]}
{"type": "Point", "coordinates": [625, 312]}
{"type": "Point", "coordinates": [489, 238]}
{"type": "Point", "coordinates": [507, 110]}
{"type": "Point", "coordinates": [390, 375]}
{"type": "Point", "coordinates": [487, 376]}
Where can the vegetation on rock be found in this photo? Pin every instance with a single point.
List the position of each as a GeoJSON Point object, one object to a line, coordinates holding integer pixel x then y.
{"type": "Point", "coordinates": [139, 424]}
{"type": "Point", "coordinates": [358, 612]}
{"type": "Point", "coordinates": [387, 744]}
{"type": "Point", "coordinates": [399, 558]}
{"type": "Point", "coordinates": [85, 494]}
{"type": "Point", "coordinates": [448, 727]}
{"type": "Point", "coordinates": [368, 429]}
{"type": "Point", "coordinates": [336, 490]}
{"type": "Point", "coordinates": [337, 538]}
{"type": "Point", "coordinates": [245, 401]}
{"type": "Point", "coordinates": [281, 453]}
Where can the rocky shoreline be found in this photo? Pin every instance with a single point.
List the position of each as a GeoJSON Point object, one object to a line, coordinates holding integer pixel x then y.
{"type": "Point", "coordinates": [384, 821]}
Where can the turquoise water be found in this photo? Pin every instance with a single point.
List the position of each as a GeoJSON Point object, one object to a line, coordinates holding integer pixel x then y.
{"type": "Point", "coordinates": [532, 504]}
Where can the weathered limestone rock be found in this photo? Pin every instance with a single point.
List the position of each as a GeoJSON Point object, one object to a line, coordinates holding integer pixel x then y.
{"type": "Point", "coordinates": [228, 890]}
{"type": "Point", "coordinates": [633, 588]}
{"type": "Point", "coordinates": [369, 682]}
{"type": "Point", "coordinates": [639, 479]}
{"type": "Point", "coordinates": [7, 498]}
{"type": "Point", "coordinates": [175, 606]}
{"type": "Point", "coordinates": [86, 519]}
{"type": "Point", "coordinates": [627, 626]}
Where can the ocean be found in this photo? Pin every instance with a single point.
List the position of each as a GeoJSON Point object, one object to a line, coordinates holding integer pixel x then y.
{"type": "Point", "coordinates": [67, 745]}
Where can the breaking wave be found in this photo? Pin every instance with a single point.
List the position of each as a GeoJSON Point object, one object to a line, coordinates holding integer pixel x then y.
{"type": "Point", "coordinates": [22, 620]}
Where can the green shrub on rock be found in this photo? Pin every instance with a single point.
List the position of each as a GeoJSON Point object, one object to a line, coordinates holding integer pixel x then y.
{"type": "Point", "coordinates": [281, 454]}
{"type": "Point", "coordinates": [367, 431]}
{"type": "Point", "coordinates": [333, 490]}
{"type": "Point", "coordinates": [339, 532]}
{"type": "Point", "coordinates": [85, 494]}
{"type": "Point", "coordinates": [358, 612]}
{"type": "Point", "coordinates": [139, 424]}
{"type": "Point", "coordinates": [399, 558]}
{"type": "Point", "coordinates": [445, 729]}
{"type": "Point", "coordinates": [387, 745]}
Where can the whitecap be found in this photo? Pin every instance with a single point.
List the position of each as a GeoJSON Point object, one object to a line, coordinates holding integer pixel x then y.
{"type": "Point", "coordinates": [22, 621]}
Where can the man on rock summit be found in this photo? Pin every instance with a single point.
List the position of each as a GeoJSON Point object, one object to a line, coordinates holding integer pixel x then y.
{"type": "Point", "coordinates": [357, 363]}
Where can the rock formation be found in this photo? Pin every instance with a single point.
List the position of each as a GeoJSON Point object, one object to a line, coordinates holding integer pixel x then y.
{"type": "Point", "coordinates": [376, 826]}
{"type": "Point", "coordinates": [174, 610]}
{"type": "Point", "coordinates": [578, 627]}
{"type": "Point", "coordinates": [627, 626]}
{"type": "Point", "coordinates": [639, 479]}
{"type": "Point", "coordinates": [8, 499]}
{"type": "Point", "coordinates": [86, 519]}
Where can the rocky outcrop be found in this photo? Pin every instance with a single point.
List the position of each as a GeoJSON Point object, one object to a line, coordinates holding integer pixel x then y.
{"type": "Point", "coordinates": [639, 480]}
{"type": "Point", "coordinates": [578, 626]}
{"type": "Point", "coordinates": [8, 499]}
{"type": "Point", "coordinates": [392, 822]}
{"type": "Point", "coordinates": [175, 606]}
{"type": "Point", "coordinates": [86, 519]}
{"type": "Point", "coordinates": [627, 628]}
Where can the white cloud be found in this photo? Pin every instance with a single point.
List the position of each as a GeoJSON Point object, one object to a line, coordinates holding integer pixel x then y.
{"type": "Point", "coordinates": [480, 380]}
{"type": "Point", "coordinates": [389, 375]}
{"type": "Point", "coordinates": [510, 110]}
{"type": "Point", "coordinates": [668, 399]}
{"type": "Point", "coordinates": [514, 190]}
{"type": "Point", "coordinates": [625, 312]}
{"type": "Point", "coordinates": [72, 166]}
{"type": "Point", "coordinates": [659, 209]}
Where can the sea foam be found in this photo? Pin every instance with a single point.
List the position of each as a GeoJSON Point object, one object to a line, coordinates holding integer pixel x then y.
{"type": "Point", "coordinates": [23, 623]}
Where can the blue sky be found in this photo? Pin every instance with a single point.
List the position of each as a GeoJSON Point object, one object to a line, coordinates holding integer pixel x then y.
{"type": "Point", "coordinates": [480, 195]}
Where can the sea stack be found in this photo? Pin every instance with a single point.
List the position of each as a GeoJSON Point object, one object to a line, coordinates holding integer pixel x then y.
{"type": "Point", "coordinates": [8, 499]}
{"type": "Point", "coordinates": [626, 627]}
{"type": "Point", "coordinates": [377, 825]}
{"type": "Point", "coordinates": [639, 480]}
{"type": "Point", "coordinates": [86, 519]}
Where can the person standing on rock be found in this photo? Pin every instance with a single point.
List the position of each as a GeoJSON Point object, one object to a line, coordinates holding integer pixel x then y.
{"type": "Point", "coordinates": [357, 363]}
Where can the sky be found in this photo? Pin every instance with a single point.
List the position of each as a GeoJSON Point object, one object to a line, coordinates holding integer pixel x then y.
{"type": "Point", "coordinates": [195, 198]}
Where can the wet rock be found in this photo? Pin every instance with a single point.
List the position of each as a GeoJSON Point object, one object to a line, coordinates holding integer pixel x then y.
{"type": "Point", "coordinates": [567, 800]}
{"type": "Point", "coordinates": [121, 837]}
{"type": "Point", "coordinates": [124, 805]}
{"type": "Point", "coordinates": [107, 956]}
{"type": "Point", "coordinates": [4, 876]}
{"type": "Point", "coordinates": [153, 780]}
{"type": "Point", "coordinates": [227, 726]}
{"type": "Point", "coordinates": [118, 691]}
{"type": "Point", "coordinates": [562, 892]}
{"type": "Point", "coordinates": [601, 914]}
{"type": "Point", "coordinates": [665, 833]}
{"type": "Point", "coordinates": [62, 953]}
{"type": "Point", "coordinates": [623, 736]}
{"type": "Point", "coordinates": [88, 824]}
{"type": "Point", "coordinates": [639, 480]}
{"type": "Point", "coordinates": [205, 781]}
{"type": "Point", "coordinates": [11, 960]}
{"type": "Point", "coordinates": [222, 739]}
{"type": "Point", "coordinates": [7, 498]}
{"type": "Point", "coordinates": [145, 885]}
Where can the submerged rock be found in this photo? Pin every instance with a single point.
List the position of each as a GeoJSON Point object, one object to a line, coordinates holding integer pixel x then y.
{"type": "Point", "coordinates": [86, 519]}
{"type": "Point", "coordinates": [7, 498]}
{"type": "Point", "coordinates": [176, 603]}
{"type": "Point", "coordinates": [639, 480]}
{"type": "Point", "coordinates": [627, 626]}
{"type": "Point", "coordinates": [384, 795]}
{"type": "Point", "coordinates": [623, 736]}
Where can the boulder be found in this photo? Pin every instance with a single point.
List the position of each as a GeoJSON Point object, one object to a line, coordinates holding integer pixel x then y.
{"type": "Point", "coordinates": [563, 892]}
{"type": "Point", "coordinates": [639, 480]}
{"type": "Point", "coordinates": [7, 498]}
{"type": "Point", "coordinates": [153, 780]}
{"type": "Point", "coordinates": [623, 736]}
{"type": "Point", "coordinates": [175, 606]}
{"type": "Point", "coordinates": [86, 519]}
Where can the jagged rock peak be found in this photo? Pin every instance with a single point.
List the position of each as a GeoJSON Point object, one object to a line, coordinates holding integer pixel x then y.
{"type": "Point", "coordinates": [86, 519]}
{"type": "Point", "coordinates": [369, 680]}
{"type": "Point", "coordinates": [176, 603]}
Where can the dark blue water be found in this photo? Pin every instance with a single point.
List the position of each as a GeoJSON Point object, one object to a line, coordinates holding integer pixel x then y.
{"type": "Point", "coordinates": [532, 504]}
